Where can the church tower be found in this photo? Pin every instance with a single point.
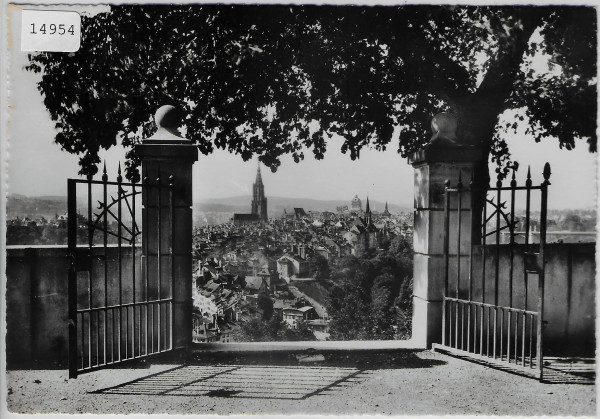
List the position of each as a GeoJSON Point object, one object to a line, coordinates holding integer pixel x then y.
{"type": "Point", "coordinates": [259, 202]}
{"type": "Point", "coordinates": [386, 213]}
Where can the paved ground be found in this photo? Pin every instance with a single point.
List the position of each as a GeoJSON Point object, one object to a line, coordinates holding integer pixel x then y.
{"type": "Point", "coordinates": [392, 383]}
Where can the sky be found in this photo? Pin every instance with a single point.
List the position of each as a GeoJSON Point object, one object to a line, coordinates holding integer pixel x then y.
{"type": "Point", "coordinates": [37, 167]}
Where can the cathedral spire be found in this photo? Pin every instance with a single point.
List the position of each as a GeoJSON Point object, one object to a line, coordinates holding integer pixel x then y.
{"type": "Point", "coordinates": [259, 201]}
{"type": "Point", "coordinates": [368, 208]}
{"type": "Point", "coordinates": [258, 176]}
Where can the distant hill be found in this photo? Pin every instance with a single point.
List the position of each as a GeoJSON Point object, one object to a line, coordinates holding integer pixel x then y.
{"type": "Point", "coordinates": [48, 206]}
{"type": "Point", "coordinates": [277, 204]}
{"type": "Point", "coordinates": [34, 206]}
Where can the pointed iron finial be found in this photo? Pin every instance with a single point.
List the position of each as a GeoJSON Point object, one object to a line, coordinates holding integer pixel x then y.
{"type": "Point", "coordinates": [171, 181]}
{"type": "Point", "coordinates": [498, 177]}
{"type": "Point", "coordinates": [104, 174]}
{"type": "Point", "coordinates": [528, 181]}
{"type": "Point", "coordinates": [158, 176]}
{"type": "Point", "coordinates": [513, 181]}
{"type": "Point", "coordinates": [547, 173]}
{"type": "Point", "coordinates": [459, 185]}
{"type": "Point", "coordinates": [119, 177]}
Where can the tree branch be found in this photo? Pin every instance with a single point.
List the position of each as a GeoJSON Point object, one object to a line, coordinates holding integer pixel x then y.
{"type": "Point", "coordinates": [497, 84]}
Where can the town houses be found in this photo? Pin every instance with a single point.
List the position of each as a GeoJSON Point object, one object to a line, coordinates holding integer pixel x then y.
{"type": "Point", "coordinates": [253, 262]}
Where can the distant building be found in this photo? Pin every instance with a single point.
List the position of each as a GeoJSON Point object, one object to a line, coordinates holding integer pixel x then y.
{"type": "Point", "coordinates": [259, 202]}
{"type": "Point", "coordinates": [386, 213]}
{"type": "Point", "coordinates": [363, 235]}
{"type": "Point", "coordinates": [289, 266]}
{"type": "Point", "coordinates": [300, 213]}
{"type": "Point", "coordinates": [293, 315]}
{"type": "Point", "coordinates": [258, 205]}
{"type": "Point", "coordinates": [356, 204]}
{"type": "Point", "coordinates": [240, 219]}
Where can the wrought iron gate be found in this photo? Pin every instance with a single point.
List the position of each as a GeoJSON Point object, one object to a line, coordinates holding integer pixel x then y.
{"type": "Point", "coordinates": [121, 279]}
{"type": "Point", "coordinates": [493, 300]}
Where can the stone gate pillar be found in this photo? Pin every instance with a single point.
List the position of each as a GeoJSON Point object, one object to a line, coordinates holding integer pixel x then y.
{"type": "Point", "coordinates": [442, 159]}
{"type": "Point", "coordinates": [168, 156]}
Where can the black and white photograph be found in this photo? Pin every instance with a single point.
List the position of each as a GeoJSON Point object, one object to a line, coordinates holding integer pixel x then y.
{"type": "Point", "coordinates": [302, 208]}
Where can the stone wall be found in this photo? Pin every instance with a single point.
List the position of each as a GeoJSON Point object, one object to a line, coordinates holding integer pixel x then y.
{"type": "Point", "coordinates": [570, 290]}
{"type": "Point", "coordinates": [36, 298]}
{"type": "Point", "coordinates": [37, 305]}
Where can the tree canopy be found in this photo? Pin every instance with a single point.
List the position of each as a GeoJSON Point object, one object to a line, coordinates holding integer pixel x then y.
{"type": "Point", "coordinates": [274, 80]}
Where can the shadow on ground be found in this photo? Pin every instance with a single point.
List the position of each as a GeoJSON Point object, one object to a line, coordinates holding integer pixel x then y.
{"type": "Point", "coordinates": [284, 376]}
{"type": "Point", "coordinates": [557, 370]}
{"type": "Point", "coordinates": [572, 370]}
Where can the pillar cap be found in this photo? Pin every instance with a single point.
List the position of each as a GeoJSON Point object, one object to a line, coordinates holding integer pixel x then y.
{"type": "Point", "coordinates": [454, 154]}
{"type": "Point", "coordinates": [444, 145]}
{"type": "Point", "coordinates": [168, 120]}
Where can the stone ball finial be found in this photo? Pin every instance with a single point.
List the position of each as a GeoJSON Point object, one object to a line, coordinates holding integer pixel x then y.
{"type": "Point", "coordinates": [168, 117]}
{"type": "Point", "coordinates": [444, 126]}
{"type": "Point", "coordinates": [168, 120]}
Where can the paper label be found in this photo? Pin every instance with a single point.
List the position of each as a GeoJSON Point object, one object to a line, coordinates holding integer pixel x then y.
{"type": "Point", "coordinates": [45, 30]}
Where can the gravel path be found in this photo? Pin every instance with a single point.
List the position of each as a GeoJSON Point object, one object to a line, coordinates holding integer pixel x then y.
{"type": "Point", "coordinates": [408, 384]}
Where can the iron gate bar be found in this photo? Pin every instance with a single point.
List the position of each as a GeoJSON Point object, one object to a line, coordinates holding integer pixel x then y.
{"type": "Point", "coordinates": [458, 247]}
{"type": "Point", "coordinates": [528, 186]}
{"type": "Point", "coordinates": [105, 241]}
{"type": "Point", "coordinates": [446, 263]}
{"type": "Point", "coordinates": [159, 255]}
{"type": "Point", "coordinates": [542, 262]}
{"type": "Point", "coordinates": [147, 269]}
{"type": "Point", "coordinates": [480, 304]}
{"type": "Point", "coordinates": [171, 258]}
{"type": "Point", "coordinates": [133, 278]}
{"type": "Point", "coordinates": [470, 293]}
{"type": "Point", "coordinates": [119, 268]}
{"type": "Point", "coordinates": [72, 286]}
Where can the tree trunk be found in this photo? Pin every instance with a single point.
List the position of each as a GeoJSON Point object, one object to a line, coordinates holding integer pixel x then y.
{"type": "Point", "coordinates": [476, 125]}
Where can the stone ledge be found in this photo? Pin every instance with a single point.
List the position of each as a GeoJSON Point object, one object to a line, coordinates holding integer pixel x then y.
{"type": "Point", "coordinates": [266, 347]}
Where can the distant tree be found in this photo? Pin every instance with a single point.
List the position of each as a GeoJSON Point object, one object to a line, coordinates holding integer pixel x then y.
{"type": "Point", "coordinates": [348, 307]}
{"type": "Point", "coordinates": [404, 308]}
{"type": "Point", "coordinates": [318, 267]}
{"type": "Point", "coordinates": [300, 333]}
{"type": "Point", "coordinates": [275, 80]}
{"type": "Point", "coordinates": [372, 298]}
{"type": "Point", "coordinates": [265, 304]}
{"type": "Point", "coordinates": [53, 235]}
{"type": "Point", "coordinates": [259, 330]}
{"type": "Point", "coordinates": [18, 234]}
{"type": "Point", "coordinates": [382, 311]}
{"type": "Point", "coordinates": [241, 280]}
